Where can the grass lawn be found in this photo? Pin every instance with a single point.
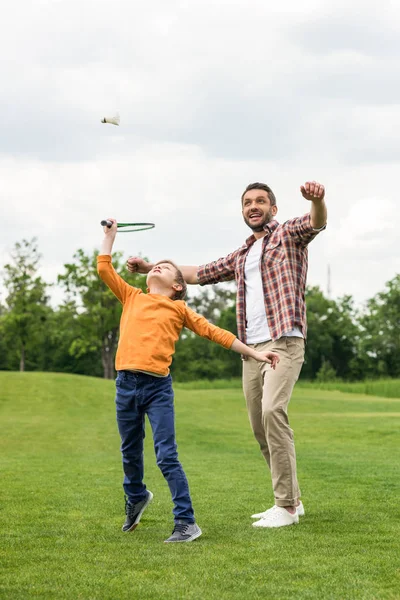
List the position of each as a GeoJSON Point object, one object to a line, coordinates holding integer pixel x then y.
{"type": "Point", "coordinates": [386, 388]}
{"type": "Point", "coordinates": [61, 500]}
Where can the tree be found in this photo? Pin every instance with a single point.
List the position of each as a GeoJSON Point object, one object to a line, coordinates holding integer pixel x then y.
{"type": "Point", "coordinates": [27, 302]}
{"type": "Point", "coordinates": [333, 335]}
{"type": "Point", "coordinates": [380, 341]}
{"type": "Point", "coordinates": [198, 358]}
{"type": "Point", "coordinates": [62, 329]}
{"type": "Point", "coordinates": [96, 310]}
{"type": "Point", "coordinates": [232, 362]}
{"type": "Point", "coordinates": [212, 300]}
{"type": "Point", "coordinates": [326, 373]}
{"type": "Point", "coordinates": [4, 349]}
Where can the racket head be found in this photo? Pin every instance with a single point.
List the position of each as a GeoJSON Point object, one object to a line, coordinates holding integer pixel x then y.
{"type": "Point", "coordinates": [132, 227]}
{"type": "Point", "coordinates": [129, 227]}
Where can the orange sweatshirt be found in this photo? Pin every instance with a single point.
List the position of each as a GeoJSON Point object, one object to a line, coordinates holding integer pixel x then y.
{"type": "Point", "coordinates": [151, 324]}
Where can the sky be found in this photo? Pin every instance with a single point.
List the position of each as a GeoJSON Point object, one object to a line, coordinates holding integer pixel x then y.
{"type": "Point", "coordinates": [212, 96]}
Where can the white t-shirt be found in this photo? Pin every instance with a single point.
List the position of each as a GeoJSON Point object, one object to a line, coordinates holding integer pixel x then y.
{"type": "Point", "coordinates": [257, 329]}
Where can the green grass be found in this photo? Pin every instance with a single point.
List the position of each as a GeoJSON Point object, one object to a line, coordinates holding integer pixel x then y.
{"type": "Point", "coordinates": [387, 388]}
{"type": "Point", "coordinates": [207, 384]}
{"type": "Point", "coordinates": [62, 505]}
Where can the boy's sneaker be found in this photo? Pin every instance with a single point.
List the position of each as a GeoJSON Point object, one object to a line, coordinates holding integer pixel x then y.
{"type": "Point", "coordinates": [300, 511]}
{"type": "Point", "coordinates": [134, 512]}
{"type": "Point", "coordinates": [277, 517]}
{"type": "Point", "coordinates": [184, 532]}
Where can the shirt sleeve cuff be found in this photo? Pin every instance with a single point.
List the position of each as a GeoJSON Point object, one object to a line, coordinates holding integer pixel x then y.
{"type": "Point", "coordinates": [104, 258]}
{"type": "Point", "coordinates": [201, 275]}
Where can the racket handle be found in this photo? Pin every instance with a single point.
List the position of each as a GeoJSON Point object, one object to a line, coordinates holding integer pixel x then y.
{"type": "Point", "coordinates": [106, 224]}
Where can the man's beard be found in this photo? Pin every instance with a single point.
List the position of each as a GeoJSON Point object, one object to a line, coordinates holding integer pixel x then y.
{"type": "Point", "coordinates": [260, 227]}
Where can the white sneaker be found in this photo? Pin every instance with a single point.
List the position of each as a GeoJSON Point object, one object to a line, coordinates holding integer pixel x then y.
{"type": "Point", "coordinates": [300, 511]}
{"type": "Point", "coordinates": [277, 517]}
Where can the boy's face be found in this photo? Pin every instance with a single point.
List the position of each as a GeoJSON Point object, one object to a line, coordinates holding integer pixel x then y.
{"type": "Point", "coordinates": [164, 274]}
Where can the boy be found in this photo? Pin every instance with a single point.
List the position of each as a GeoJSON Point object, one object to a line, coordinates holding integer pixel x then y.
{"type": "Point", "coordinates": [150, 326]}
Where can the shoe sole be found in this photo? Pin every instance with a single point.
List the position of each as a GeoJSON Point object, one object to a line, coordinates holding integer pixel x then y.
{"type": "Point", "coordinates": [136, 523]}
{"type": "Point", "coordinates": [192, 537]}
{"type": "Point", "coordinates": [275, 526]}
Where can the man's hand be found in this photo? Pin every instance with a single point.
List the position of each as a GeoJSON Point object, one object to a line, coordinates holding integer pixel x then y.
{"type": "Point", "coordinates": [312, 190]}
{"type": "Point", "coordinates": [135, 264]}
{"type": "Point", "coordinates": [315, 192]}
{"type": "Point", "coordinates": [269, 357]}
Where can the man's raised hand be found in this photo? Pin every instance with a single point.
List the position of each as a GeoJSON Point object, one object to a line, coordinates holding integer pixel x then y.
{"type": "Point", "coordinates": [312, 190]}
{"type": "Point", "coordinates": [136, 264]}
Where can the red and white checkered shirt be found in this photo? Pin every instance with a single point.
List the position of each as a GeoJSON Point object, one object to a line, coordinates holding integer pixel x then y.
{"type": "Point", "coordinates": [284, 263]}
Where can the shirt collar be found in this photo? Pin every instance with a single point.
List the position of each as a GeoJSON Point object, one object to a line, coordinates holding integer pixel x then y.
{"type": "Point", "coordinates": [268, 227]}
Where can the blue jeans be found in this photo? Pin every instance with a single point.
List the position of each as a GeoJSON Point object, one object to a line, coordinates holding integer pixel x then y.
{"type": "Point", "coordinates": [139, 394]}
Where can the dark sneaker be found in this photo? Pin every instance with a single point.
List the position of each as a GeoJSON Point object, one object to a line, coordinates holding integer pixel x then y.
{"type": "Point", "coordinates": [184, 532]}
{"type": "Point", "coordinates": [134, 512]}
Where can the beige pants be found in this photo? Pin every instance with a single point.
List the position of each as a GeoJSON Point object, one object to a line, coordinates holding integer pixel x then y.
{"type": "Point", "coordinates": [267, 394]}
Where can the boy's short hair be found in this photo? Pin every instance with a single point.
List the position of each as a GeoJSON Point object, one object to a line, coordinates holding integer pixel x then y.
{"type": "Point", "coordinates": [179, 294]}
{"type": "Point", "coordinates": [261, 186]}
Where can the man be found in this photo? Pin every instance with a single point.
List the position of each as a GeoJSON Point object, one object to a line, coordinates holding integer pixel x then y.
{"type": "Point", "coordinates": [270, 270]}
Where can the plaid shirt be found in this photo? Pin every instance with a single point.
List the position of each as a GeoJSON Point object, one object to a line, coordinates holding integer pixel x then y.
{"type": "Point", "coordinates": [284, 263]}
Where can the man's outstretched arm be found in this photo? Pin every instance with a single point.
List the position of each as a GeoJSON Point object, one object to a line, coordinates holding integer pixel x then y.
{"type": "Point", "coordinates": [315, 193]}
{"type": "Point", "coordinates": [189, 273]}
{"type": "Point", "coordinates": [136, 264]}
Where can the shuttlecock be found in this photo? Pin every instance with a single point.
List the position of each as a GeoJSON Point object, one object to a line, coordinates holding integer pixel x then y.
{"type": "Point", "coordinates": [113, 120]}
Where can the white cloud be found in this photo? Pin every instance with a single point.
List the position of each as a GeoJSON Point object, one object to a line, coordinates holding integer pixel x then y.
{"type": "Point", "coordinates": [212, 96]}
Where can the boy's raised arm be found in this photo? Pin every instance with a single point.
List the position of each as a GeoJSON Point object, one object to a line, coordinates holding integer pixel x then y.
{"type": "Point", "coordinates": [117, 285]}
{"type": "Point", "coordinates": [109, 238]}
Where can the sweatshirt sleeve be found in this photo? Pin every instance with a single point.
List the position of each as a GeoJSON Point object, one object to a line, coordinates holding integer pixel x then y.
{"type": "Point", "coordinates": [205, 329]}
{"type": "Point", "coordinates": [117, 285]}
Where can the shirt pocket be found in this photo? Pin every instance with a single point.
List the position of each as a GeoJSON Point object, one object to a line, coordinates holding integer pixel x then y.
{"type": "Point", "coordinates": [274, 252]}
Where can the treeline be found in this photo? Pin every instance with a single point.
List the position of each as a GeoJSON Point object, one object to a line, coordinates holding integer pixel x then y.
{"type": "Point", "coordinates": [81, 335]}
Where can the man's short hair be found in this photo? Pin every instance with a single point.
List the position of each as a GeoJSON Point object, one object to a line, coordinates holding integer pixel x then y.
{"type": "Point", "coordinates": [261, 186]}
{"type": "Point", "coordinates": [179, 294]}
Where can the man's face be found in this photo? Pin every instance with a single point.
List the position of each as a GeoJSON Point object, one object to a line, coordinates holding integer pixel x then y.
{"type": "Point", "coordinates": [257, 210]}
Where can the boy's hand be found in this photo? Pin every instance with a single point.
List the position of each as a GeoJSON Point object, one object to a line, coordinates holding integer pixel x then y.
{"type": "Point", "coordinates": [136, 264]}
{"type": "Point", "coordinates": [269, 357]}
{"type": "Point", "coordinates": [109, 237]}
{"type": "Point", "coordinates": [111, 231]}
